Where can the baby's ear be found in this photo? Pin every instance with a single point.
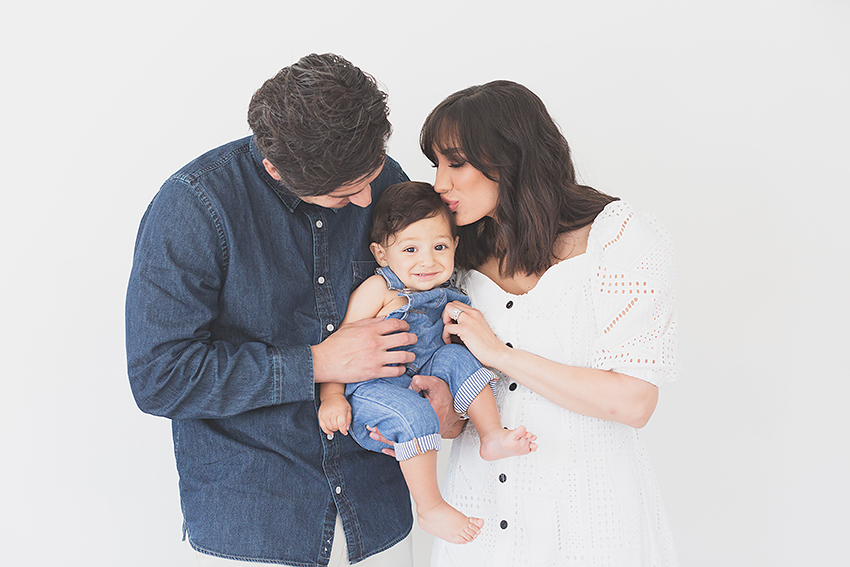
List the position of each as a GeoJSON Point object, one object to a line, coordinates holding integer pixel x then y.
{"type": "Point", "coordinates": [379, 253]}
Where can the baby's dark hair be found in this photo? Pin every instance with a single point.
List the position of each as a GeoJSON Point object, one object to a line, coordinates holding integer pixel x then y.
{"type": "Point", "coordinates": [403, 204]}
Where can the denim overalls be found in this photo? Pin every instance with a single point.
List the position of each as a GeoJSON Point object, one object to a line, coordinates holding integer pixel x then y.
{"type": "Point", "coordinates": [401, 414]}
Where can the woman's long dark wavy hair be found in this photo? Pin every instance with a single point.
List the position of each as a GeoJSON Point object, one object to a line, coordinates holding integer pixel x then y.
{"type": "Point", "coordinates": [504, 130]}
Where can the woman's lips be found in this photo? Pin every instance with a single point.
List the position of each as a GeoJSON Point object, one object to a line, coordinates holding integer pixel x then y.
{"type": "Point", "coordinates": [452, 204]}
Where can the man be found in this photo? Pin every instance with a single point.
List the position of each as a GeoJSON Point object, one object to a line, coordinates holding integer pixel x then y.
{"type": "Point", "coordinates": [243, 266]}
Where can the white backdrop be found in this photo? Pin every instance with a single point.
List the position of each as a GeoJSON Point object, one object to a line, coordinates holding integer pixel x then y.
{"type": "Point", "coordinates": [727, 119]}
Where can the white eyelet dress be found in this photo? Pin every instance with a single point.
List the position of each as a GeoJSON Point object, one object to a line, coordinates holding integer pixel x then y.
{"type": "Point", "coordinates": [588, 495]}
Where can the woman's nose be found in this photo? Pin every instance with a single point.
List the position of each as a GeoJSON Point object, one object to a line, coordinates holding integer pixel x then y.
{"type": "Point", "coordinates": [442, 183]}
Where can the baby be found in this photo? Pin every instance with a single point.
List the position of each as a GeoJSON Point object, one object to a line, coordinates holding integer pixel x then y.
{"type": "Point", "coordinates": [413, 240]}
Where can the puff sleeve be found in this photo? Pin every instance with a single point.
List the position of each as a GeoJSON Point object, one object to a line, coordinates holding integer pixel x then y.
{"type": "Point", "coordinates": [634, 295]}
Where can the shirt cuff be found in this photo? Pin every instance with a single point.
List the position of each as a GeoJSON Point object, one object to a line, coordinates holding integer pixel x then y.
{"type": "Point", "coordinates": [292, 371]}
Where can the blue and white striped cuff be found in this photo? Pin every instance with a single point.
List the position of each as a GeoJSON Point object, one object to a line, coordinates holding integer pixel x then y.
{"type": "Point", "coordinates": [470, 388]}
{"type": "Point", "coordinates": [408, 449]}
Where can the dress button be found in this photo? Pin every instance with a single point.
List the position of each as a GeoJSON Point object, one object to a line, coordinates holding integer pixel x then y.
{"type": "Point", "coordinates": [338, 489]}
{"type": "Point", "coordinates": [512, 387]}
{"type": "Point", "coordinates": [509, 345]}
{"type": "Point", "coordinates": [321, 280]}
{"type": "Point", "coordinates": [503, 524]}
{"type": "Point", "coordinates": [319, 224]}
{"type": "Point", "coordinates": [502, 477]}
{"type": "Point", "coordinates": [509, 304]}
{"type": "Point", "coordinates": [330, 327]}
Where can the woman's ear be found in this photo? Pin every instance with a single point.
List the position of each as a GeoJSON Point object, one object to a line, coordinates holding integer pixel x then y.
{"type": "Point", "coordinates": [379, 253]}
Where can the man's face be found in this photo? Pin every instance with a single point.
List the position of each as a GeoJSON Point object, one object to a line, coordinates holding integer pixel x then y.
{"type": "Point", "coordinates": [357, 192]}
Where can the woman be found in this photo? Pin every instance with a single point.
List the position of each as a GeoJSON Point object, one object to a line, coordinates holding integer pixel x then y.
{"type": "Point", "coordinates": [573, 308]}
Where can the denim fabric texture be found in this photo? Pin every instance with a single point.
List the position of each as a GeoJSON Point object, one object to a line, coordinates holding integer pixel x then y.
{"type": "Point", "coordinates": [399, 413]}
{"type": "Point", "coordinates": [233, 278]}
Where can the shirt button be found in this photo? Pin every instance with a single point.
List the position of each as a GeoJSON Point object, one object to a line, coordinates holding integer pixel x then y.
{"type": "Point", "coordinates": [330, 327]}
{"type": "Point", "coordinates": [503, 524]}
{"type": "Point", "coordinates": [321, 280]}
{"type": "Point", "coordinates": [512, 387]}
{"type": "Point", "coordinates": [502, 477]}
{"type": "Point", "coordinates": [509, 304]}
{"type": "Point", "coordinates": [330, 436]}
{"type": "Point", "coordinates": [338, 489]}
{"type": "Point", "coordinates": [319, 224]}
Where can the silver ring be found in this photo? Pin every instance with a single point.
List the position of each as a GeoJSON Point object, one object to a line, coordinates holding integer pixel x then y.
{"type": "Point", "coordinates": [456, 313]}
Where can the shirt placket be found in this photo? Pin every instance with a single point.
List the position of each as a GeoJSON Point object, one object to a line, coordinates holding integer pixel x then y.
{"type": "Point", "coordinates": [329, 319]}
{"type": "Point", "coordinates": [323, 287]}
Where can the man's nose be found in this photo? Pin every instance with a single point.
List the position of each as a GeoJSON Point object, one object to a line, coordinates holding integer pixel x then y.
{"type": "Point", "coordinates": [363, 198]}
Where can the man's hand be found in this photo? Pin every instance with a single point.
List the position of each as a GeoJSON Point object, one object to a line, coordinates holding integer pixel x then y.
{"type": "Point", "coordinates": [438, 394]}
{"type": "Point", "coordinates": [361, 350]}
{"type": "Point", "coordinates": [335, 414]}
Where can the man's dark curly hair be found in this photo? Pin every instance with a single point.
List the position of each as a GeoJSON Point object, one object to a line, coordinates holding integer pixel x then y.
{"type": "Point", "coordinates": [322, 123]}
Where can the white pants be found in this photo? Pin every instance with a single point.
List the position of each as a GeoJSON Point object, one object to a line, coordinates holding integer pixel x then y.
{"type": "Point", "coordinates": [399, 555]}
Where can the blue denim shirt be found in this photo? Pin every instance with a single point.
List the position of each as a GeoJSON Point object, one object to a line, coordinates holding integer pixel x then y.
{"type": "Point", "coordinates": [233, 278]}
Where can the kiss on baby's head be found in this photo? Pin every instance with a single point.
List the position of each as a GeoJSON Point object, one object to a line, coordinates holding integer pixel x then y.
{"type": "Point", "coordinates": [403, 204]}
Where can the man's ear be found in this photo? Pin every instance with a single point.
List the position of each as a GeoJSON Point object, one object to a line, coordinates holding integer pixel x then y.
{"type": "Point", "coordinates": [272, 170]}
{"type": "Point", "coordinates": [379, 253]}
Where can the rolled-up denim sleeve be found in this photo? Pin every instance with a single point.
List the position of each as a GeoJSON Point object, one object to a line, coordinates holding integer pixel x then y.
{"type": "Point", "coordinates": [176, 367]}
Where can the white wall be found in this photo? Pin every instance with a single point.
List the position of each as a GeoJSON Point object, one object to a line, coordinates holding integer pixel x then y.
{"type": "Point", "coordinates": [727, 119]}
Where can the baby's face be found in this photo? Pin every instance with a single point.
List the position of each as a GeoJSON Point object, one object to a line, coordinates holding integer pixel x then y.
{"type": "Point", "coordinates": [422, 255]}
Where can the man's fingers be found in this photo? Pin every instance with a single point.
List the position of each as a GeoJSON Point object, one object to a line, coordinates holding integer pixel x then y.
{"type": "Point", "coordinates": [422, 383]}
{"type": "Point", "coordinates": [398, 340]}
{"type": "Point", "coordinates": [389, 326]}
{"type": "Point", "coordinates": [390, 371]}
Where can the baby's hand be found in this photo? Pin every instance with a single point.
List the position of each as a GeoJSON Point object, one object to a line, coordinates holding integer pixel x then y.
{"type": "Point", "coordinates": [335, 414]}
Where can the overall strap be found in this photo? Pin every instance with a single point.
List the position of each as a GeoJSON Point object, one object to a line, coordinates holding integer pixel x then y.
{"type": "Point", "coordinates": [393, 282]}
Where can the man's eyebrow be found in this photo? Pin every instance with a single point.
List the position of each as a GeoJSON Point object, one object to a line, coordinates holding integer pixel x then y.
{"type": "Point", "coordinates": [335, 194]}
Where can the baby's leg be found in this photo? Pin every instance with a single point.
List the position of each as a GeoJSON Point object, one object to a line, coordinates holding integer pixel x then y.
{"type": "Point", "coordinates": [434, 514]}
{"type": "Point", "coordinates": [496, 441]}
{"type": "Point", "coordinates": [467, 380]}
{"type": "Point", "coordinates": [409, 422]}
{"type": "Point", "coordinates": [399, 413]}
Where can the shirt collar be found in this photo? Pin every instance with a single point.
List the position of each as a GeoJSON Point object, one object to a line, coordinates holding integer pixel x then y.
{"type": "Point", "coordinates": [290, 199]}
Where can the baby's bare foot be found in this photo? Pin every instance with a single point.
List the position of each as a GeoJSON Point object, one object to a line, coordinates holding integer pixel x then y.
{"type": "Point", "coordinates": [501, 443]}
{"type": "Point", "coordinates": [449, 524]}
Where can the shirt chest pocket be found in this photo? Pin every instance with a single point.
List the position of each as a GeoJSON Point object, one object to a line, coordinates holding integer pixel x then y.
{"type": "Point", "coordinates": [361, 270]}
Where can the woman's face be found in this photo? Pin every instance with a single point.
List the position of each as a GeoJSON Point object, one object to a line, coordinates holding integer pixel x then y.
{"type": "Point", "coordinates": [470, 194]}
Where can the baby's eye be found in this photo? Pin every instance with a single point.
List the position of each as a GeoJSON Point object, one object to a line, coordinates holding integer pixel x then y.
{"type": "Point", "coordinates": [410, 249]}
{"type": "Point", "coordinates": [440, 247]}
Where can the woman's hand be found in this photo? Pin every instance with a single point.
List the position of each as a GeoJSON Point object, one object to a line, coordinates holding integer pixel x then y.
{"type": "Point", "coordinates": [596, 393]}
{"type": "Point", "coordinates": [475, 333]}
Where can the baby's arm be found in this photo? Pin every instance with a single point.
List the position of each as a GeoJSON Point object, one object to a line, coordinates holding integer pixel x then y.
{"type": "Point", "coordinates": [365, 302]}
{"type": "Point", "coordinates": [334, 410]}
